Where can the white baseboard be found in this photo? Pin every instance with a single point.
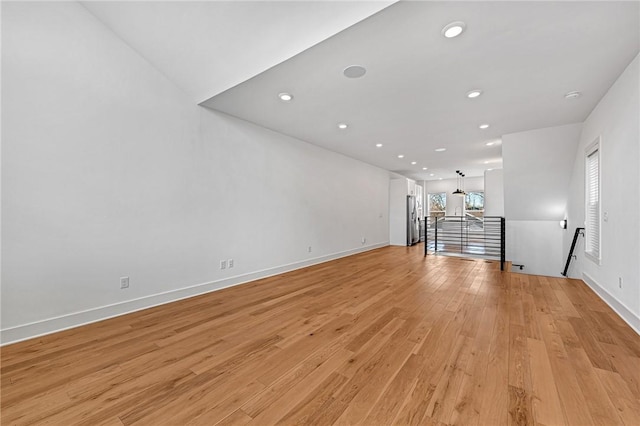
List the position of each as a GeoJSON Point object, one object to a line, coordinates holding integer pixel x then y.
{"type": "Point", "coordinates": [77, 319]}
{"type": "Point", "coordinates": [623, 312]}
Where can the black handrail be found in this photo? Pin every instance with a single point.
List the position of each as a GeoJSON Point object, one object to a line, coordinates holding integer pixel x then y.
{"type": "Point", "coordinates": [579, 231]}
{"type": "Point", "coordinates": [503, 243]}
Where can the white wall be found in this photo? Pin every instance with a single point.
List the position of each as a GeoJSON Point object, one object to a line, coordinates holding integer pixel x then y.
{"type": "Point", "coordinates": [449, 185]}
{"type": "Point", "coordinates": [537, 171]}
{"type": "Point", "coordinates": [109, 170]}
{"type": "Point", "coordinates": [493, 193]}
{"type": "Point", "coordinates": [536, 174]}
{"type": "Point", "coordinates": [536, 244]}
{"type": "Point", "coordinates": [616, 121]}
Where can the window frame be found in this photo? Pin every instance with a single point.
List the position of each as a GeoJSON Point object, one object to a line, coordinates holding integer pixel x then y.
{"type": "Point", "coordinates": [444, 210]}
{"type": "Point", "coordinates": [465, 201]}
{"type": "Point", "coordinates": [593, 149]}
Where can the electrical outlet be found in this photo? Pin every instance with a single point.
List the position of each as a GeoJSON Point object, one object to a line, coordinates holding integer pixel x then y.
{"type": "Point", "coordinates": [309, 249]}
{"type": "Point", "coordinates": [364, 240]}
{"type": "Point", "coordinates": [223, 264]}
{"type": "Point", "coordinates": [124, 282]}
{"type": "Point", "coordinates": [230, 263]}
{"type": "Point", "coordinates": [620, 282]}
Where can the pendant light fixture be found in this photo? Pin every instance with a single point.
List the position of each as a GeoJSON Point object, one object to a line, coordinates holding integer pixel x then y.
{"type": "Point", "coordinates": [459, 184]}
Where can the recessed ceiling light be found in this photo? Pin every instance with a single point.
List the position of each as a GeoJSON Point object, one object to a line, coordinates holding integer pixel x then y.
{"type": "Point", "coordinates": [474, 93]}
{"type": "Point", "coordinates": [342, 126]}
{"type": "Point", "coordinates": [572, 95]}
{"type": "Point", "coordinates": [378, 145]}
{"type": "Point", "coordinates": [400, 156]}
{"type": "Point", "coordinates": [489, 170]}
{"type": "Point", "coordinates": [490, 143]}
{"type": "Point", "coordinates": [286, 97]}
{"type": "Point", "coordinates": [453, 29]}
{"type": "Point", "coordinates": [486, 162]}
{"type": "Point", "coordinates": [431, 174]}
{"type": "Point", "coordinates": [439, 178]}
{"type": "Point", "coordinates": [424, 168]}
{"type": "Point", "coordinates": [414, 163]}
{"type": "Point", "coordinates": [354, 71]}
{"type": "Point", "coordinates": [440, 149]}
{"type": "Point", "coordinates": [483, 126]}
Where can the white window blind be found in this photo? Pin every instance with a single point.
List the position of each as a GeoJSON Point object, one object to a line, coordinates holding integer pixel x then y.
{"type": "Point", "coordinates": [592, 196]}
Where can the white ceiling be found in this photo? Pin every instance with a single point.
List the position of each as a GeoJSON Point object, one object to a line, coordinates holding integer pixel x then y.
{"type": "Point", "coordinates": [524, 55]}
{"type": "Point", "coordinates": [206, 47]}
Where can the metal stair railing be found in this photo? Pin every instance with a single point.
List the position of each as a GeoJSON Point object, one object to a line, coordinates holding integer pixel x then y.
{"type": "Point", "coordinates": [579, 231]}
{"type": "Point", "coordinates": [468, 236]}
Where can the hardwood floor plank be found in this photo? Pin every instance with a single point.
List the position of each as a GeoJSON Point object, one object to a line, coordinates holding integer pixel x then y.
{"type": "Point", "coordinates": [623, 399]}
{"type": "Point", "coordinates": [529, 313]}
{"type": "Point", "coordinates": [468, 402]}
{"type": "Point", "coordinates": [599, 405]}
{"type": "Point", "coordinates": [315, 403]}
{"type": "Point", "coordinates": [546, 402]}
{"type": "Point", "coordinates": [440, 336]}
{"type": "Point", "coordinates": [621, 334]}
{"type": "Point", "coordinates": [373, 377]}
{"type": "Point", "coordinates": [495, 399]}
{"type": "Point", "coordinates": [293, 377]}
{"type": "Point", "coordinates": [568, 309]}
{"type": "Point", "coordinates": [519, 372]}
{"type": "Point", "coordinates": [237, 418]}
{"type": "Point", "coordinates": [218, 408]}
{"type": "Point", "coordinates": [293, 396]}
{"type": "Point", "coordinates": [569, 391]}
{"type": "Point", "coordinates": [387, 407]}
{"type": "Point", "coordinates": [520, 409]}
{"type": "Point", "coordinates": [442, 403]}
{"type": "Point", "coordinates": [627, 366]}
{"type": "Point", "coordinates": [590, 345]}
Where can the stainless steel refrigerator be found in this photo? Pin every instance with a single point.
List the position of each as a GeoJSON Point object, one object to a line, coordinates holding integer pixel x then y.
{"type": "Point", "coordinates": [413, 229]}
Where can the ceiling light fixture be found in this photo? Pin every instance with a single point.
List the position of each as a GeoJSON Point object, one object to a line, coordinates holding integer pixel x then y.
{"type": "Point", "coordinates": [459, 184]}
{"type": "Point", "coordinates": [285, 97]}
{"type": "Point", "coordinates": [431, 174]}
{"type": "Point", "coordinates": [378, 145]}
{"type": "Point", "coordinates": [400, 156]}
{"type": "Point", "coordinates": [440, 149]}
{"type": "Point", "coordinates": [342, 126]}
{"type": "Point", "coordinates": [490, 143]}
{"type": "Point", "coordinates": [414, 163]}
{"type": "Point", "coordinates": [354, 71]}
{"type": "Point", "coordinates": [486, 162]}
{"type": "Point", "coordinates": [572, 95]}
{"type": "Point", "coordinates": [474, 93]}
{"type": "Point", "coordinates": [454, 29]}
{"type": "Point", "coordinates": [483, 126]}
{"type": "Point", "coordinates": [424, 168]}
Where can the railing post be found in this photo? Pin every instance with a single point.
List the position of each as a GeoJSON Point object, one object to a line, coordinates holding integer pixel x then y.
{"type": "Point", "coordinates": [466, 227]}
{"type": "Point", "coordinates": [502, 244]}
{"type": "Point", "coordinates": [435, 246]}
{"type": "Point", "coordinates": [426, 235]}
{"type": "Point", "coordinates": [461, 235]}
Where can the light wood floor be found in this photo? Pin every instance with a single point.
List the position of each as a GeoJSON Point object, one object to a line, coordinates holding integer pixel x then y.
{"type": "Point", "coordinates": [385, 337]}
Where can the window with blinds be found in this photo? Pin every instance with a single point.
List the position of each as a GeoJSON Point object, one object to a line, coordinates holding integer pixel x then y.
{"type": "Point", "coordinates": [592, 202]}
